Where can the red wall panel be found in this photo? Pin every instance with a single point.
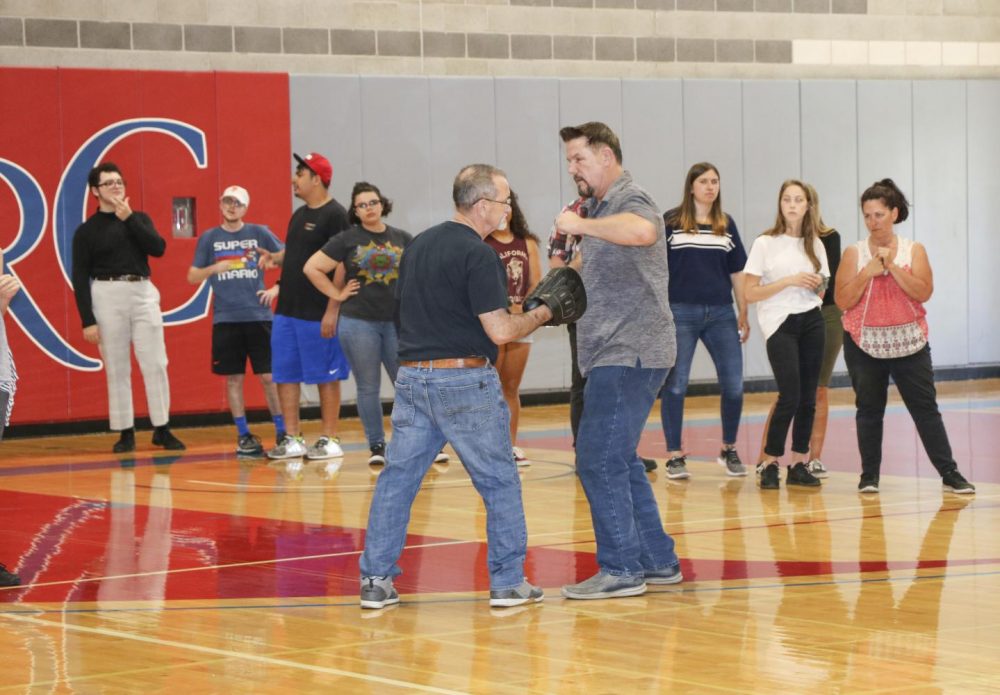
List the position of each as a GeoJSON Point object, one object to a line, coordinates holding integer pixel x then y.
{"type": "Point", "coordinates": [245, 121]}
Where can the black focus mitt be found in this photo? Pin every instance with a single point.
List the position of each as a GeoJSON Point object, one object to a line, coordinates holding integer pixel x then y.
{"type": "Point", "coordinates": [561, 290]}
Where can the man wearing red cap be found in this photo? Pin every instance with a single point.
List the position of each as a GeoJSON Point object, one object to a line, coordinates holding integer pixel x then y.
{"type": "Point", "coordinates": [304, 347]}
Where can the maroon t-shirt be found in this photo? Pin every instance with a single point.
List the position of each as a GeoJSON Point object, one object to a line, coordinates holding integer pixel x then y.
{"type": "Point", "coordinates": [514, 256]}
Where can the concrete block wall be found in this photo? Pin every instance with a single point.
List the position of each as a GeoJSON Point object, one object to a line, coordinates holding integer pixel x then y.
{"type": "Point", "coordinates": [565, 38]}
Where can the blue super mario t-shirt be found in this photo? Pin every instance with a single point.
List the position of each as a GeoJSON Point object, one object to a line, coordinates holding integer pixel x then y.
{"type": "Point", "coordinates": [236, 289]}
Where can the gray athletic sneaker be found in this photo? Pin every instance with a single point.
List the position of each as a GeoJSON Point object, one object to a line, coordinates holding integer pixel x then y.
{"type": "Point", "coordinates": [671, 574]}
{"type": "Point", "coordinates": [731, 460]}
{"type": "Point", "coordinates": [377, 592]}
{"type": "Point", "coordinates": [289, 447]}
{"type": "Point", "coordinates": [325, 448]}
{"type": "Point", "coordinates": [677, 468]}
{"type": "Point", "coordinates": [525, 593]}
{"type": "Point", "coordinates": [604, 585]}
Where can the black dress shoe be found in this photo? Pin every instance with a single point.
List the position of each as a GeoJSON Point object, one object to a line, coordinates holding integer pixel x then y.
{"type": "Point", "coordinates": [125, 443]}
{"type": "Point", "coordinates": [649, 464]}
{"type": "Point", "coordinates": [162, 436]}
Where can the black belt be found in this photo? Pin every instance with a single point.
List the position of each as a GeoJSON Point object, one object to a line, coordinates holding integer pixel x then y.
{"type": "Point", "coordinates": [121, 278]}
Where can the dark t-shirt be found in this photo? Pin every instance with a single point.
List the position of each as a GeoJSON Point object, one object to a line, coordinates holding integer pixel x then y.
{"type": "Point", "coordinates": [371, 258]}
{"type": "Point", "coordinates": [308, 230]}
{"type": "Point", "coordinates": [448, 277]}
{"type": "Point", "coordinates": [831, 242]}
{"type": "Point", "coordinates": [701, 262]}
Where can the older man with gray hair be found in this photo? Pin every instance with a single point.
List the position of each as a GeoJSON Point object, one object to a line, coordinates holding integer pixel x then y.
{"type": "Point", "coordinates": [451, 303]}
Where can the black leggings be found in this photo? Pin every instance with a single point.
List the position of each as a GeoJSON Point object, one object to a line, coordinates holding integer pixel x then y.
{"type": "Point", "coordinates": [795, 352]}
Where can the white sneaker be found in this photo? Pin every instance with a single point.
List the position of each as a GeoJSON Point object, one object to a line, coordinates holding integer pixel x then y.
{"type": "Point", "coordinates": [442, 457]}
{"type": "Point", "coordinates": [520, 458]}
{"type": "Point", "coordinates": [288, 448]}
{"type": "Point", "coordinates": [817, 468]}
{"type": "Point", "coordinates": [325, 448]}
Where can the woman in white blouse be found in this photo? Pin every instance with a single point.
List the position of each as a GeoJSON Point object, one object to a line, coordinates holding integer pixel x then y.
{"type": "Point", "coordinates": [786, 275]}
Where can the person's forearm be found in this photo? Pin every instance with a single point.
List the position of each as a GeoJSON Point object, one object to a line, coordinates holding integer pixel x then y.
{"type": "Point", "coordinates": [624, 229]}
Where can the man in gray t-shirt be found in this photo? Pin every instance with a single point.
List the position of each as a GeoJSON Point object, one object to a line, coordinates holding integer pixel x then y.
{"type": "Point", "coordinates": [626, 346]}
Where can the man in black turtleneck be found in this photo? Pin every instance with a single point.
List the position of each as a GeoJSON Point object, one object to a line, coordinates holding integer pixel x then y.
{"type": "Point", "coordinates": [120, 307]}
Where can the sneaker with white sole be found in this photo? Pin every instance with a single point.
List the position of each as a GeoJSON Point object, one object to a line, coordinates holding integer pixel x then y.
{"type": "Point", "coordinates": [377, 592]}
{"type": "Point", "coordinates": [677, 468]}
{"type": "Point", "coordinates": [817, 468]}
{"type": "Point", "coordinates": [868, 483]}
{"type": "Point", "coordinates": [288, 447]}
{"type": "Point", "coordinates": [671, 574]}
{"type": "Point", "coordinates": [377, 457]}
{"type": "Point", "coordinates": [519, 595]}
{"type": "Point", "coordinates": [605, 585]}
{"type": "Point", "coordinates": [731, 460]}
{"type": "Point", "coordinates": [442, 457]}
{"type": "Point", "coordinates": [957, 483]}
{"type": "Point", "coordinates": [520, 458]}
{"type": "Point", "coordinates": [325, 448]}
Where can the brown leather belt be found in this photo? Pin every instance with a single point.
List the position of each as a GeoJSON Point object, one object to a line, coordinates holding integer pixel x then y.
{"type": "Point", "coordinates": [121, 278]}
{"type": "Point", "coordinates": [447, 363]}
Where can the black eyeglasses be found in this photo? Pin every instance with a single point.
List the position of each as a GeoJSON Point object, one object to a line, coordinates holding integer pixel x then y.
{"type": "Point", "coordinates": [498, 202]}
{"type": "Point", "coordinates": [111, 183]}
{"type": "Point", "coordinates": [365, 206]}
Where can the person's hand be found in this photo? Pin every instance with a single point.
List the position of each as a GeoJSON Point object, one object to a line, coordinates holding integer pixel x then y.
{"type": "Point", "coordinates": [744, 327]}
{"type": "Point", "coordinates": [347, 291]}
{"type": "Point", "coordinates": [328, 326]}
{"type": "Point", "coordinates": [122, 209]}
{"type": "Point", "coordinates": [221, 267]}
{"type": "Point", "coordinates": [9, 286]}
{"type": "Point", "coordinates": [809, 281]}
{"type": "Point", "coordinates": [265, 261]}
{"type": "Point", "coordinates": [92, 335]}
{"type": "Point", "coordinates": [875, 266]}
{"type": "Point", "coordinates": [886, 255]}
{"type": "Point", "coordinates": [267, 297]}
{"type": "Point", "coordinates": [569, 222]}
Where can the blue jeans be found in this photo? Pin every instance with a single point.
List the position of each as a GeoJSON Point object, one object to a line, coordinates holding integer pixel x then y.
{"type": "Point", "coordinates": [716, 326]}
{"type": "Point", "coordinates": [466, 408]}
{"type": "Point", "coordinates": [369, 345]}
{"type": "Point", "coordinates": [627, 527]}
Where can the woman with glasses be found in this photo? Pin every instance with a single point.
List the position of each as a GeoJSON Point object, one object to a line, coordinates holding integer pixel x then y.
{"type": "Point", "coordinates": [365, 259]}
{"type": "Point", "coordinates": [518, 251]}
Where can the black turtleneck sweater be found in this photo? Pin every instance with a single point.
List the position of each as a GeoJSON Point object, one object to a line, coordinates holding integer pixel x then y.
{"type": "Point", "coordinates": [106, 246]}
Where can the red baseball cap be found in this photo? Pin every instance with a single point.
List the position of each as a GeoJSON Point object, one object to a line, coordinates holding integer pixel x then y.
{"type": "Point", "coordinates": [317, 164]}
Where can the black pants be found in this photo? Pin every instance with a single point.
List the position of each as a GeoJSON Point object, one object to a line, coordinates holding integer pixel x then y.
{"type": "Point", "coordinates": [577, 385]}
{"type": "Point", "coordinates": [914, 377]}
{"type": "Point", "coordinates": [795, 352]}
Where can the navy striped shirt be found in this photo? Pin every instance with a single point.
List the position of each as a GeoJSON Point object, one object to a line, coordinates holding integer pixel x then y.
{"type": "Point", "coordinates": [701, 263]}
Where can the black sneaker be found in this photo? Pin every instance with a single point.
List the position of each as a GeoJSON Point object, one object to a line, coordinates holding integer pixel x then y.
{"type": "Point", "coordinates": [378, 455]}
{"type": "Point", "coordinates": [955, 482]}
{"type": "Point", "coordinates": [377, 592]}
{"type": "Point", "coordinates": [799, 475]}
{"type": "Point", "coordinates": [162, 436]}
{"type": "Point", "coordinates": [249, 445]}
{"type": "Point", "coordinates": [770, 476]}
{"type": "Point", "coordinates": [126, 442]}
{"type": "Point", "coordinates": [677, 468]}
{"type": "Point", "coordinates": [8, 578]}
{"type": "Point", "coordinates": [648, 464]}
{"type": "Point", "coordinates": [869, 483]}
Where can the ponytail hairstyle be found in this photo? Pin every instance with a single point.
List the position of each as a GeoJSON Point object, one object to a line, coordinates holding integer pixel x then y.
{"type": "Point", "coordinates": [888, 192]}
{"type": "Point", "coordinates": [809, 226]}
{"type": "Point", "coordinates": [821, 227]}
{"type": "Point", "coordinates": [684, 217]}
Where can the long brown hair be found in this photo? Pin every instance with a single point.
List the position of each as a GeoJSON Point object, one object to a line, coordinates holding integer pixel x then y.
{"type": "Point", "coordinates": [822, 228]}
{"type": "Point", "coordinates": [685, 216]}
{"type": "Point", "coordinates": [518, 224]}
{"type": "Point", "coordinates": [809, 227]}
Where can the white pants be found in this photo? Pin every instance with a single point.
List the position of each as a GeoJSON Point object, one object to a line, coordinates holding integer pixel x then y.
{"type": "Point", "coordinates": [128, 316]}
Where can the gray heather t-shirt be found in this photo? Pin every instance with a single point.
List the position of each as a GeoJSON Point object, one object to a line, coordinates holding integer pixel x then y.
{"type": "Point", "coordinates": [628, 317]}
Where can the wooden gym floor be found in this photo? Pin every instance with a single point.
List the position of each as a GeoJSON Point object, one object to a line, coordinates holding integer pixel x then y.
{"type": "Point", "coordinates": [202, 573]}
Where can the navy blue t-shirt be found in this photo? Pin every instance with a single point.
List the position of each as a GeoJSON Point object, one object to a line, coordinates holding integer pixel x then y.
{"type": "Point", "coordinates": [701, 262]}
{"type": "Point", "coordinates": [448, 277]}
